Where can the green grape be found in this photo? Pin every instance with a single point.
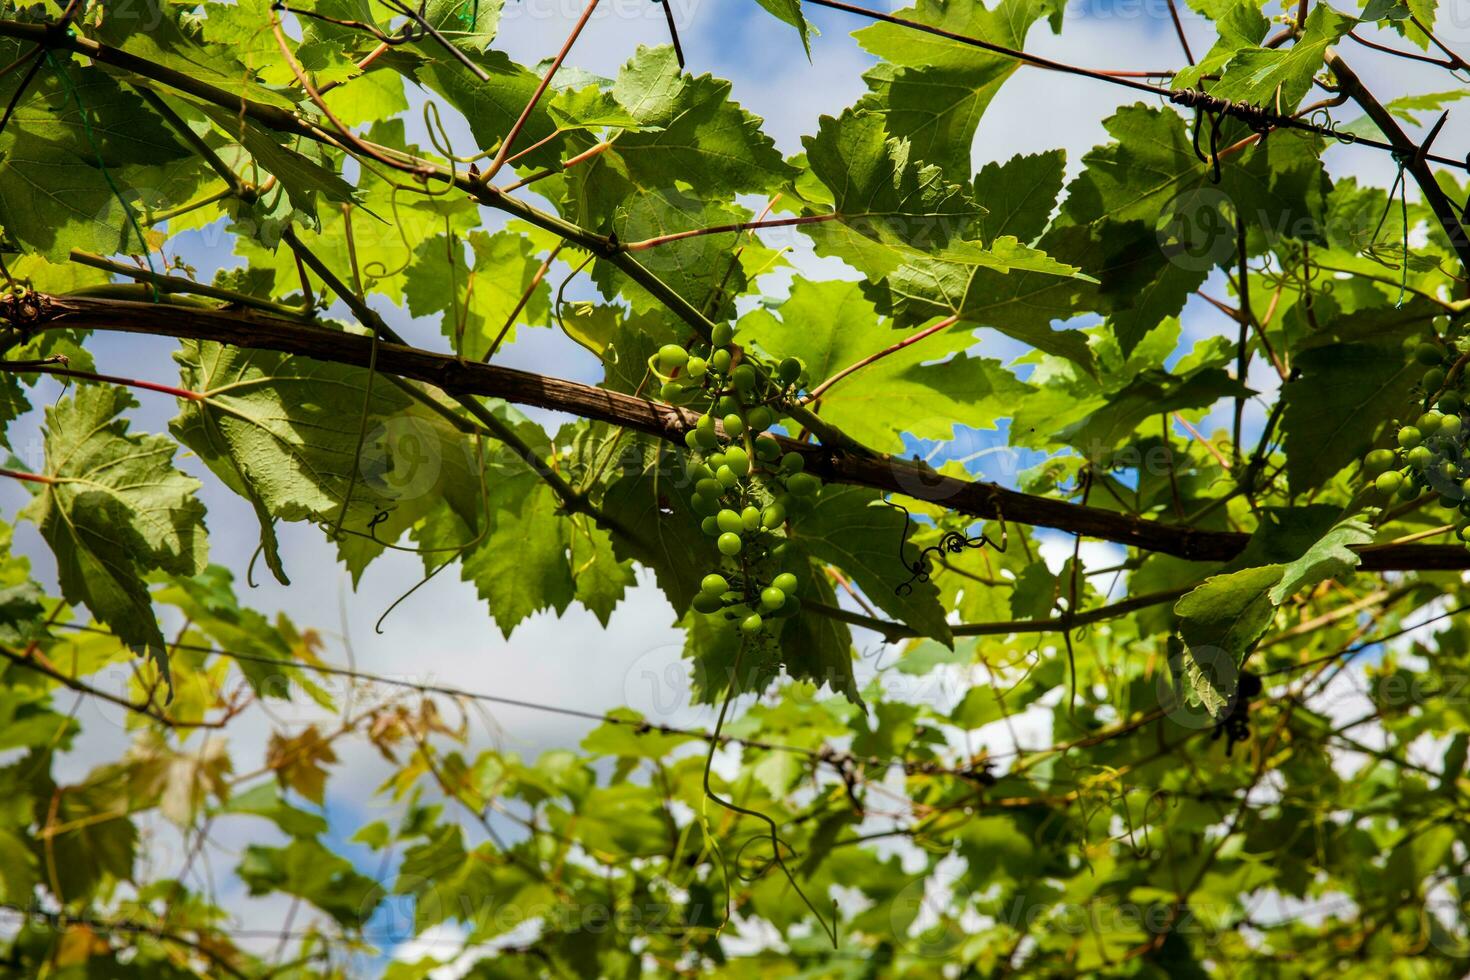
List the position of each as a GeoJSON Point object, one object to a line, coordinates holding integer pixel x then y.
{"type": "Point", "coordinates": [751, 623]}
{"type": "Point", "coordinates": [1450, 426]}
{"type": "Point", "coordinates": [1428, 354]}
{"type": "Point", "coordinates": [726, 405]}
{"type": "Point", "coordinates": [767, 448]}
{"type": "Point", "coordinates": [729, 544]}
{"type": "Point", "coordinates": [728, 477]}
{"type": "Point", "coordinates": [1463, 533]}
{"type": "Point", "coordinates": [1419, 457]}
{"type": "Point", "coordinates": [697, 470]}
{"type": "Point", "coordinates": [773, 516]}
{"type": "Point", "coordinates": [671, 357]}
{"type": "Point", "coordinates": [780, 550]}
{"type": "Point", "coordinates": [1448, 471]}
{"type": "Point", "coordinates": [750, 518]}
{"type": "Point", "coordinates": [760, 418]}
{"type": "Point", "coordinates": [1451, 403]}
{"type": "Point", "coordinates": [1377, 461]}
{"type": "Point", "coordinates": [802, 484]}
{"type": "Point", "coordinates": [744, 377]}
{"type": "Point", "coordinates": [786, 582]}
{"type": "Point", "coordinates": [706, 438]}
{"type": "Point", "coordinates": [720, 361]}
{"type": "Point", "coordinates": [715, 460]}
{"type": "Point", "coordinates": [1408, 491]}
{"type": "Point", "coordinates": [1409, 437]}
{"type": "Point", "coordinates": [715, 584]}
{"type": "Point", "coordinates": [730, 521]}
{"type": "Point", "coordinates": [788, 370]}
{"type": "Point", "coordinates": [707, 604]}
{"type": "Point", "coordinates": [691, 439]}
{"type": "Point", "coordinates": [671, 391]}
{"type": "Point", "coordinates": [1441, 323]}
{"type": "Point", "coordinates": [1434, 379]}
{"type": "Point", "coordinates": [710, 487]}
{"type": "Point", "coordinates": [1389, 482]}
{"type": "Point", "coordinates": [706, 422]}
{"type": "Point", "coordinates": [792, 462]}
{"type": "Point", "coordinates": [710, 526]}
{"type": "Point", "coordinates": [1465, 487]}
{"type": "Point", "coordinates": [734, 425]}
{"type": "Point", "coordinates": [722, 334]}
{"type": "Point", "coordinates": [772, 598]}
{"type": "Point", "coordinates": [697, 368]}
{"type": "Point", "coordinates": [705, 506]}
{"type": "Point", "coordinates": [1428, 423]}
{"type": "Point", "coordinates": [738, 460]}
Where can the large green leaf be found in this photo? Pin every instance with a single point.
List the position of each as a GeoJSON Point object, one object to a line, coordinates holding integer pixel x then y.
{"type": "Point", "coordinates": [114, 509]}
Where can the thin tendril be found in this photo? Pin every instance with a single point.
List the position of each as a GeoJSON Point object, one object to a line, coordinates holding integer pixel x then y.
{"type": "Point", "coordinates": [776, 842]}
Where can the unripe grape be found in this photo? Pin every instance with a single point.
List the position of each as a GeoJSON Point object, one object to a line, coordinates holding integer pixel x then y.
{"type": "Point", "coordinates": [788, 370]}
{"type": "Point", "coordinates": [786, 582]}
{"type": "Point", "coordinates": [738, 460]}
{"type": "Point", "coordinates": [1441, 323]}
{"type": "Point", "coordinates": [707, 604]}
{"type": "Point", "coordinates": [722, 334]}
{"type": "Point", "coordinates": [767, 448]}
{"type": "Point", "coordinates": [1409, 437]}
{"type": "Point", "coordinates": [727, 405]}
{"type": "Point", "coordinates": [691, 439]}
{"type": "Point", "coordinates": [670, 391]}
{"type": "Point", "coordinates": [715, 584]}
{"type": "Point", "coordinates": [1434, 379]}
{"type": "Point", "coordinates": [706, 438]}
{"type": "Point", "coordinates": [1377, 461]}
{"type": "Point", "coordinates": [729, 520]}
{"type": "Point", "coordinates": [1450, 426]}
{"type": "Point", "coordinates": [706, 422]}
{"type": "Point", "coordinates": [697, 368]}
{"type": "Point", "coordinates": [1428, 423]}
{"type": "Point", "coordinates": [760, 418]}
{"type": "Point", "coordinates": [802, 484]}
{"type": "Point", "coordinates": [772, 598]}
{"type": "Point", "coordinates": [1419, 457]}
{"type": "Point", "coordinates": [734, 425]}
{"type": "Point", "coordinates": [727, 476]}
{"type": "Point", "coordinates": [751, 623]}
{"type": "Point", "coordinates": [773, 516]}
{"type": "Point", "coordinates": [715, 460]}
{"type": "Point", "coordinates": [710, 526]}
{"type": "Point", "coordinates": [1389, 482]}
{"type": "Point", "coordinates": [1463, 533]}
{"type": "Point", "coordinates": [1428, 354]}
{"type": "Point", "coordinates": [1451, 403]}
{"type": "Point", "coordinates": [750, 518]}
{"type": "Point", "coordinates": [671, 357]}
{"type": "Point", "coordinates": [792, 462]}
{"type": "Point", "coordinates": [744, 377]}
{"type": "Point", "coordinates": [729, 544]}
{"type": "Point", "coordinates": [1409, 490]}
{"type": "Point", "coordinates": [697, 470]}
{"type": "Point", "coordinates": [705, 506]}
{"type": "Point", "coordinates": [710, 487]}
{"type": "Point", "coordinates": [1465, 486]}
{"type": "Point", "coordinates": [720, 361]}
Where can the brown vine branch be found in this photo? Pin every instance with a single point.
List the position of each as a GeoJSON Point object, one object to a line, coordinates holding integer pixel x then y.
{"type": "Point", "coordinates": [249, 329]}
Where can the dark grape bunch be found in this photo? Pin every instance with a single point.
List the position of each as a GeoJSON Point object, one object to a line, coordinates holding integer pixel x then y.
{"type": "Point", "coordinates": [1432, 453]}
{"type": "Point", "coordinates": [744, 485]}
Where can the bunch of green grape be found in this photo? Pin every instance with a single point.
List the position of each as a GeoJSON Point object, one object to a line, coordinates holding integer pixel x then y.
{"type": "Point", "coordinates": [745, 487]}
{"type": "Point", "coordinates": [1432, 448]}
